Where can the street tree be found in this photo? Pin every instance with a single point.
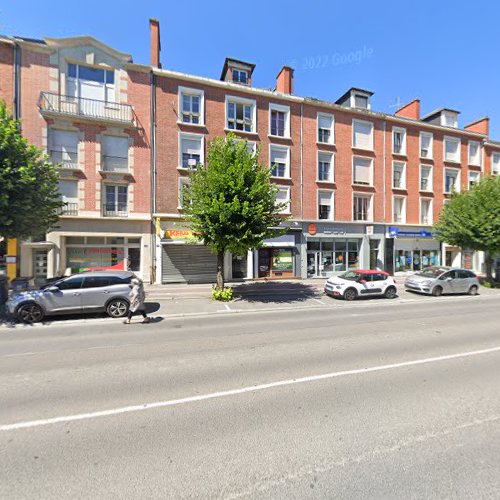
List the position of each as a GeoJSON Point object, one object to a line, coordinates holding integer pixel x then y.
{"type": "Point", "coordinates": [471, 220]}
{"type": "Point", "coordinates": [29, 194]}
{"type": "Point", "coordinates": [230, 202]}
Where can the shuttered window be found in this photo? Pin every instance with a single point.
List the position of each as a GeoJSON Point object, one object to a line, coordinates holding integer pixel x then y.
{"type": "Point", "coordinates": [362, 134]}
{"type": "Point", "coordinates": [362, 171]}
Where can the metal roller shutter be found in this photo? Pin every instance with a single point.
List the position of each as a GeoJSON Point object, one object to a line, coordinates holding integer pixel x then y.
{"type": "Point", "coordinates": [188, 264]}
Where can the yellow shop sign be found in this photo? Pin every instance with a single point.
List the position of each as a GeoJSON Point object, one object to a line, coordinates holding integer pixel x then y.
{"type": "Point", "coordinates": [178, 234]}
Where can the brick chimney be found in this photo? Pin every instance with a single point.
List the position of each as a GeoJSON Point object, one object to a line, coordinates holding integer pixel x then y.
{"type": "Point", "coordinates": [284, 80]}
{"type": "Point", "coordinates": [481, 126]}
{"type": "Point", "coordinates": [410, 110]}
{"type": "Point", "coordinates": [155, 46]}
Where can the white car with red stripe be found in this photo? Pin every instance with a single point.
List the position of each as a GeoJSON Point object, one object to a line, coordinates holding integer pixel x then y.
{"type": "Point", "coordinates": [361, 283]}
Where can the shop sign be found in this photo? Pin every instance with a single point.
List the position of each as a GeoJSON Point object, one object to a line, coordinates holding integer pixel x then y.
{"type": "Point", "coordinates": [395, 232]}
{"type": "Point", "coordinates": [369, 230]}
{"type": "Point", "coordinates": [312, 229]}
{"type": "Point", "coordinates": [282, 259]}
{"type": "Point", "coordinates": [178, 234]}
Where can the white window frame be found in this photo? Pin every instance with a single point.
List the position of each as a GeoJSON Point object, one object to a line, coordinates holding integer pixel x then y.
{"type": "Point", "coordinates": [476, 162]}
{"type": "Point", "coordinates": [239, 71]}
{"type": "Point", "coordinates": [430, 215]}
{"type": "Point", "coordinates": [431, 173]}
{"type": "Point", "coordinates": [457, 181]}
{"type": "Point", "coordinates": [332, 128]}
{"type": "Point", "coordinates": [191, 137]}
{"type": "Point", "coordinates": [355, 94]}
{"type": "Point", "coordinates": [191, 92]}
{"type": "Point", "coordinates": [244, 101]}
{"type": "Point", "coordinates": [331, 178]}
{"type": "Point", "coordinates": [371, 170]}
{"type": "Point", "coordinates": [287, 166]}
{"type": "Point", "coordinates": [449, 116]}
{"type": "Point", "coordinates": [251, 145]}
{"type": "Point", "coordinates": [401, 131]}
{"type": "Point", "coordinates": [369, 197]}
{"type": "Point", "coordinates": [495, 171]}
{"type": "Point", "coordinates": [403, 174]}
{"type": "Point", "coordinates": [283, 109]}
{"type": "Point", "coordinates": [473, 174]}
{"type": "Point", "coordinates": [447, 138]}
{"type": "Point", "coordinates": [108, 89]}
{"type": "Point", "coordinates": [362, 122]}
{"type": "Point", "coordinates": [332, 197]}
{"type": "Point", "coordinates": [124, 213]}
{"type": "Point", "coordinates": [431, 145]}
{"type": "Point", "coordinates": [403, 209]}
{"type": "Point", "coordinates": [288, 208]}
{"type": "Point", "coordinates": [68, 155]}
{"type": "Point", "coordinates": [181, 182]}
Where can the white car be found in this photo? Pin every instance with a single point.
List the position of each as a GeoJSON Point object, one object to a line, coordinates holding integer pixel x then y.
{"type": "Point", "coordinates": [361, 283]}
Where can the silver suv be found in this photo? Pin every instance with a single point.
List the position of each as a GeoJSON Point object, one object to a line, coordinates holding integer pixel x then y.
{"type": "Point", "coordinates": [440, 280]}
{"type": "Point", "coordinates": [91, 291]}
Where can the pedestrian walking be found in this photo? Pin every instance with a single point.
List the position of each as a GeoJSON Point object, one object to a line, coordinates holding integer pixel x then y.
{"type": "Point", "coordinates": [137, 298]}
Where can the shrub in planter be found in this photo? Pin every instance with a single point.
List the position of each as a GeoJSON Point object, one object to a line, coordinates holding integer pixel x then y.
{"type": "Point", "coordinates": [224, 295]}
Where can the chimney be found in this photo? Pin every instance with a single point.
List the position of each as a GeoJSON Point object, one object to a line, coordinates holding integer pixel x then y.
{"type": "Point", "coordinates": [410, 110]}
{"type": "Point", "coordinates": [284, 80]}
{"type": "Point", "coordinates": [155, 46]}
{"type": "Point", "coordinates": [481, 126]}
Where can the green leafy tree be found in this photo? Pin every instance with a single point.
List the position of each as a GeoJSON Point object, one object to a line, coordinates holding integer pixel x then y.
{"type": "Point", "coordinates": [29, 197]}
{"type": "Point", "coordinates": [230, 203]}
{"type": "Point", "coordinates": [471, 220]}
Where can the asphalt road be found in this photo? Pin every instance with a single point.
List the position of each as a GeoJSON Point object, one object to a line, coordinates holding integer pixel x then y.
{"type": "Point", "coordinates": [399, 401]}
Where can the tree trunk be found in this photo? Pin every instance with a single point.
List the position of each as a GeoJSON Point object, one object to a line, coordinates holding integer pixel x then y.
{"type": "Point", "coordinates": [489, 267]}
{"type": "Point", "coordinates": [220, 270]}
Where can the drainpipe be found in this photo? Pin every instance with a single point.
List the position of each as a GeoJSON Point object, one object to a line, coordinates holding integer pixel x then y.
{"type": "Point", "coordinates": [301, 166]}
{"type": "Point", "coordinates": [153, 176]}
{"type": "Point", "coordinates": [384, 174]}
{"type": "Point", "coordinates": [17, 81]}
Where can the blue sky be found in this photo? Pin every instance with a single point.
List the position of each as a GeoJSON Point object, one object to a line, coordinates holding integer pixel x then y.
{"type": "Point", "coordinates": [445, 52]}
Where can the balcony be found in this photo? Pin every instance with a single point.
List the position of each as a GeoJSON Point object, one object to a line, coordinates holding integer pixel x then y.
{"type": "Point", "coordinates": [89, 109]}
{"type": "Point", "coordinates": [65, 159]}
{"type": "Point", "coordinates": [111, 210]}
{"type": "Point", "coordinates": [69, 208]}
{"type": "Point", "coordinates": [116, 164]}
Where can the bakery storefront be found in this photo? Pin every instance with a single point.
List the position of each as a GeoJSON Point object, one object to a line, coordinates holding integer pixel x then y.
{"type": "Point", "coordinates": [413, 249]}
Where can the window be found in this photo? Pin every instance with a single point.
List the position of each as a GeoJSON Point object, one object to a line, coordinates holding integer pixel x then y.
{"type": "Point", "coordinates": [68, 192]}
{"type": "Point", "coordinates": [240, 114]}
{"type": "Point", "coordinates": [473, 179]}
{"type": "Point", "coordinates": [191, 150]}
{"type": "Point", "coordinates": [183, 183]}
{"type": "Point", "coordinates": [326, 128]}
{"type": "Point", "coordinates": [360, 101]}
{"type": "Point", "coordinates": [64, 148]}
{"type": "Point", "coordinates": [280, 161]}
{"type": "Point", "coordinates": [451, 180]}
{"type": "Point", "coordinates": [283, 197]}
{"type": "Point", "coordinates": [325, 167]}
{"type": "Point", "coordinates": [361, 207]}
{"type": "Point", "coordinates": [426, 211]}
{"type": "Point", "coordinates": [240, 76]}
{"type": "Point", "coordinates": [474, 153]}
{"type": "Point", "coordinates": [191, 105]}
{"type": "Point", "coordinates": [452, 149]}
{"type": "Point", "coordinates": [495, 164]}
{"type": "Point", "coordinates": [70, 283]}
{"type": "Point", "coordinates": [450, 120]}
{"type": "Point", "coordinates": [325, 205]}
{"type": "Point", "coordinates": [251, 146]}
{"type": "Point", "coordinates": [399, 141]}
{"type": "Point", "coordinates": [399, 175]}
{"type": "Point", "coordinates": [116, 201]}
{"type": "Point", "coordinates": [362, 137]}
{"type": "Point", "coordinates": [114, 153]}
{"type": "Point", "coordinates": [399, 209]}
{"type": "Point", "coordinates": [425, 178]}
{"type": "Point", "coordinates": [91, 83]}
{"type": "Point", "coordinates": [279, 117]}
{"type": "Point", "coordinates": [96, 281]}
{"type": "Point", "coordinates": [426, 145]}
{"type": "Point", "coordinates": [362, 171]}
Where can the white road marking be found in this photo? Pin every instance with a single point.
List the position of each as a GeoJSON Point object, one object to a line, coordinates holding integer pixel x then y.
{"type": "Point", "coordinates": [244, 390]}
{"type": "Point", "coordinates": [320, 301]}
{"type": "Point", "coordinates": [227, 307]}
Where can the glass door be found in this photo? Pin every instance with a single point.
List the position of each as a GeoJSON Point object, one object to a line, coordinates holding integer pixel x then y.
{"type": "Point", "coordinates": [312, 264]}
{"type": "Point", "coordinates": [417, 260]}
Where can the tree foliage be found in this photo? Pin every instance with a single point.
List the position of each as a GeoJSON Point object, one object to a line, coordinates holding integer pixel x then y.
{"type": "Point", "coordinates": [230, 203]}
{"type": "Point", "coordinates": [29, 196]}
{"type": "Point", "coordinates": [471, 220]}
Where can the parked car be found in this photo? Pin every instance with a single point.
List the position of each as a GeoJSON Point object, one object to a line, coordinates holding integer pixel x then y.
{"type": "Point", "coordinates": [91, 291]}
{"type": "Point", "coordinates": [361, 283]}
{"type": "Point", "coordinates": [441, 280]}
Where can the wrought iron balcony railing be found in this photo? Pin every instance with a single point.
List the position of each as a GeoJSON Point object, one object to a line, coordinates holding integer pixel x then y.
{"type": "Point", "coordinates": [110, 210]}
{"type": "Point", "coordinates": [65, 159]}
{"type": "Point", "coordinates": [85, 108]}
{"type": "Point", "coordinates": [69, 208]}
{"type": "Point", "coordinates": [114, 164]}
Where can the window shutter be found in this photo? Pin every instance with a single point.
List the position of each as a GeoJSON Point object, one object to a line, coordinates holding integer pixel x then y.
{"type": "Point", "coordinates": [325, 122]}
{"type": "Point", "coordinates": [325, 198]}
{"type": "Point", "coordinates": [191, 146]}
{"type": "Point", "coordinates": [278, 156]}
{"type": "Point", "coordinates": [115, 146]}
{"type": "Point", "coordinates": [363, 135]}
{"type": "Point", "coordinates": [68, 190]}
{"type": "Point", "coordinates": [362, 171]}
{"type": "Point", "coordinates": [63, 140]}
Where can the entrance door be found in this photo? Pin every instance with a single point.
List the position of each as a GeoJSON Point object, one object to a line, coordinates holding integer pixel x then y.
{"type": "Point", "coordinates": [40, 266]}
{"type": "Point", "coordinates": [312, 264]}
{"type": "Point", "coordinates": [417, 260]}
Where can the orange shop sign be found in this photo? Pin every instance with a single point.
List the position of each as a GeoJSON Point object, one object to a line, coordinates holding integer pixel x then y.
{"type": "Point", "coordinates": [312, 229]}
{"type": "Point", "coordinates": [178, 234]}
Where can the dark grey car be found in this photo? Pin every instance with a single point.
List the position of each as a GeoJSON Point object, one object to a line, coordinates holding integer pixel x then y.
{"type": "Point", "coordinates": [91, 291]}
{"type": "Point", "coordinates": [443, 280]}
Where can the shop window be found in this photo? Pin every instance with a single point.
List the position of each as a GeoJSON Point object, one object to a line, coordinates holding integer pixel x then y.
{"type": "Point", "coordinates": [134, 259]}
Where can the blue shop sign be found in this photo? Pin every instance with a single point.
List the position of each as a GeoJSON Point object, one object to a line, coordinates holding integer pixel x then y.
{"type": "Point", "coordinates": [395, 232]}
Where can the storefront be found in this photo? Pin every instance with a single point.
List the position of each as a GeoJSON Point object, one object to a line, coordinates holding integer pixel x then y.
{"type": "Point", "coordinates": [280, 257]}
{"type": "Point", "coordinates": [414, 249]}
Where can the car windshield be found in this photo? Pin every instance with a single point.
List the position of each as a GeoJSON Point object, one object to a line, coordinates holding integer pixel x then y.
{"type": "Point", "coordinates": [431, 272]}
{"type": "Point", "coordinates": [350, 275]}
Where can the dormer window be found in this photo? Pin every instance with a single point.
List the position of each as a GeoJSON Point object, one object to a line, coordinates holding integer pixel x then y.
{"type": "Point", "coordinates": [240, 76]}
{"type": "Point", "coordinates": [356, 98]}
{"type": "Point", "coordinates": [450, 119]}
{"type": "Point", "coordinates": [360, 101]}
{"type": "Point", "coordinates": [90, 83]}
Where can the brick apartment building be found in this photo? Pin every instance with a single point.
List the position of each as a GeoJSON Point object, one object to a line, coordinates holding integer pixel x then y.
{"type": "Point", "coordinates": [88, 106]}
{"type": "Point", "coordinates": [362, 187]}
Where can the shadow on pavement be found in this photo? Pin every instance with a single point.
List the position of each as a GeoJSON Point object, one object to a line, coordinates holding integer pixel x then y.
{"type": "Point", "coordinates": [275, 292]}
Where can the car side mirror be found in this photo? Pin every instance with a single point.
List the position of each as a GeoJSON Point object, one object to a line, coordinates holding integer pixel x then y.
{"type": "Point", "coordinates": [449, 278]}
{"type": "Point", "coordinates": [53, 289]}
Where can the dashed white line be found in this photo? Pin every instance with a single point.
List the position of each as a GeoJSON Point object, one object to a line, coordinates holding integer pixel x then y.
{"type": "Point", "coordinates": [244, 390]}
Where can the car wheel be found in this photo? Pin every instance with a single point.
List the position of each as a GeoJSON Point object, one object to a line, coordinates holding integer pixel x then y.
{"type": "Point", "coordinates": [350, 294]}
{"type": "Point", "coordinates": [390, 293]}
{"type": "Point", "coordinates": [437, 291]}
{"type": "Point", "coordinates": [473, 290]}
{"type": "Point", "coordinates": [117, 308]}
{"type": "Point", "coordinates": [30, 313]}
